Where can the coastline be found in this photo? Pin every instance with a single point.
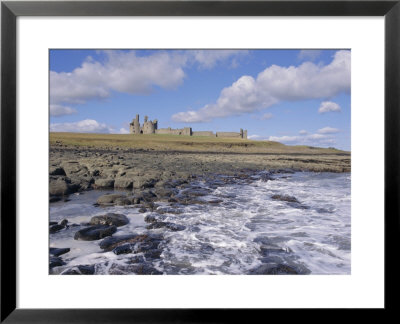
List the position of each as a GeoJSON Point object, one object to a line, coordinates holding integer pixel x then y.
{"type": "Point", "coordinates": [80, 167]}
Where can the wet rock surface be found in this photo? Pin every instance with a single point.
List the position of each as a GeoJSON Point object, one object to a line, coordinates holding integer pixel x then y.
{"type": "Point", "coordinates": [58, 251]}
{"type": "Point", "coordinates": [96, 232]}
{"type": "Point", "coordinates": [55, 262]}
{"type": "Point", "coordinates": [110, 219]}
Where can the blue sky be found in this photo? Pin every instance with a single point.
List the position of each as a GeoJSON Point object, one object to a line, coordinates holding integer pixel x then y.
{"type": "Point", "coordinates": [297, 97]}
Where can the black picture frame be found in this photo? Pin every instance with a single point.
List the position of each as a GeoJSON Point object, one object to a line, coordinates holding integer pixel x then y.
{"type": "Point", "coordinates": [10, 10]}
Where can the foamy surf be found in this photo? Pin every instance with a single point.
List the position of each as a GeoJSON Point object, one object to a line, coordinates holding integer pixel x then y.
{"type": "Point", "coordinates": [293, 223]}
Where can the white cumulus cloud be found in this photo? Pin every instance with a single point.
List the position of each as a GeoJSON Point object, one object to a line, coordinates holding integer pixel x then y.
{"type": "Point", "coordinates": [305, 139]}
{"type": "Point", "coordinates": [276, 84]}
{"type": "Point", "coordinates": [254, 137]}
{"type": "Point", "coordinates": [130, 73]}
{"type": "Point", "coordinates": [327, 106]}
{"type": "Point", "coordinates": [121, 71]}
{"type": "Point", "coordinates": [83, 126]}
{"type": "Point", "coordinates": [328, 130]}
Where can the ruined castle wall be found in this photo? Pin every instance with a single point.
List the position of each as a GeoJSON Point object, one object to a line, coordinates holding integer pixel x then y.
{"type": "Point", "coordinates": [203, 133]}
{"type": "Point", "coordinates": [169, 131]}
{"type": "Point", "coordinates": [229, 134]}
{"type": "Point", "coordinates": [148, 128]}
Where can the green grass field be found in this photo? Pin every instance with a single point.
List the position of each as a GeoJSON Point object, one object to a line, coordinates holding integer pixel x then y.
{"type": "Point", "coordinates": [160, 142]}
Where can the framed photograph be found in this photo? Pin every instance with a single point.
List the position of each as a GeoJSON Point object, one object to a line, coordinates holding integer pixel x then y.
{"type": "Point", "coordinates": [163, 158]}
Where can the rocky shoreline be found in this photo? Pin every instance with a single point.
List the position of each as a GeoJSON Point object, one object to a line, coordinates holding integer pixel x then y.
{"type": "Point", "coordinates": [148, 178]}
{"type": "Point", "coordinates": [74, 169]}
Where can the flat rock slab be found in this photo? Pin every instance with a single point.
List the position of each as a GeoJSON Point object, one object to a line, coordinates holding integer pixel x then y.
{"type": "Point", "coordinates": [109, 199]}
{"type": "Point", "coordinates": [94, 233]}
{"type": "Point", "coordinates": [104, 183]}
{"type": "Point", "coordinates": [110, 219]}
{"type": "Point", "coordinates": [123, 183]}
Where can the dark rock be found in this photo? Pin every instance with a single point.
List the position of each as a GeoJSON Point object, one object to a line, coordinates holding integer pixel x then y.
{"type": "Point", "coordinates": [64, 222]}
{"type": "Point", "coordinates": [57, 171]}
{"type": "Point", "coordinates": [80, 270]}
{"type": "Point", "coordinates": [150, 205]}
{"type": "Point", "coordinates": [196, 192]}
{"type": "Point", "coordinates": [136, 268]}
{"type": "Point", "coordinates": [142, 210]}
{"type": "Point", "coordinates": [124, 249]}
{"type": "Point", "coordinates": [123, 201]}
{"type": "Point", "coordinates": [215, 201]}
{"type": "Point", "coordinates": [148, 196]}
{"type": "Point", "coordinates": [153, 254]}
{"type": "Point", "coordinates": [190, 201]}
{"type": "Point", "coordinates": [54, 199]}
{"type": "Point", "coordinates": [56, 228]}
{"type": "Point", "coordinates": [171, 226]}
{"type": "Point", "coordinates": [110, 219]}
{"type": "Point", "coordinates": [285, 198]}
{"type": "Point", "coordinates": [143, 183]}
{"type": "Point", "coordinates": [96, 232]}
{"type": "Point", "coordinates": [55, 262]}
{"type": "Point", "coordinates": [52, 223]}
{"type": "Point", "coordinates": [136, 259]}
{"type": "Point", "coordinates": [110, 243]}
{"type": "Point", "coordinates": [165, 192]}
{"type": "Point", "coordinates": [169, 210]}
{"type": "Point", "coordinates": [136, 200]}
{"type": "Point", "coordinates": [58, 251]}
{"type": "Point", "coordinates": [275, 269]}
{"type": "Point", "coordinates": [153, 218]}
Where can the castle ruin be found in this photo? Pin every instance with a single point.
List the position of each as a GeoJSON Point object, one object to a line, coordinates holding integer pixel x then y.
{"type": "Point", "coordinates": [151, 127]}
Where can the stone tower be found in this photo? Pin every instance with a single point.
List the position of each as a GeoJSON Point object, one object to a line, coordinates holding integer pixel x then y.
{"type": "Point", "coordinates": [134, 127]}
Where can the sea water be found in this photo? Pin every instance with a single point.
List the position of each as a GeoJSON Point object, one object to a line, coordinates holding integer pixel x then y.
{"type": "Point", "coordinates": [236, 236]}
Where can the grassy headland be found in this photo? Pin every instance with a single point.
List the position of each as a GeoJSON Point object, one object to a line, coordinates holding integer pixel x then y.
{"type": "Point", "coordinates": [157, 142]}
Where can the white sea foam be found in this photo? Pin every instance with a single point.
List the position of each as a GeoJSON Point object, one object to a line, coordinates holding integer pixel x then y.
{"type": "Point", "coordinates": [238, 235]}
